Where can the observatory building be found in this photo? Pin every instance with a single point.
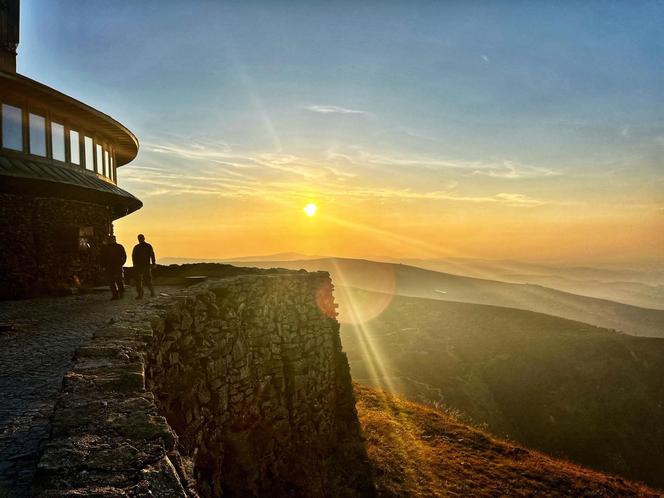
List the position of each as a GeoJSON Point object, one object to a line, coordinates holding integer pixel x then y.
{"type": "Point", "coordinates": [58, 179]}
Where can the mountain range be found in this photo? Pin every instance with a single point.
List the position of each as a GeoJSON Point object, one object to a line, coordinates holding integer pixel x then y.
{"type": "Point", "coordinates": [405, 280]}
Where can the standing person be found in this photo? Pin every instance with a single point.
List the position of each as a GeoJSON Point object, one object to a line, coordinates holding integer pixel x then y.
{"type": "Point", "coordinates": [143, 258]}
{"type": "Point", "coordinates": [113, 257]}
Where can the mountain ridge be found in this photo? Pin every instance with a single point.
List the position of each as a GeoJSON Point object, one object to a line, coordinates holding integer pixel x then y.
{"type": "Point", "coordinates": [419, 282]}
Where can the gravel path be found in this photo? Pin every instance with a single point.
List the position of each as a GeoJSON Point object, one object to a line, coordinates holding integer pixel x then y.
{"type": "Point", "coordinates": [38, 338]}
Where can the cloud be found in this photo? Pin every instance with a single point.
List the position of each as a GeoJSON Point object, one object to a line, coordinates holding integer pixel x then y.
{"type": "Point", "coordinates": [512, 170]}
{"type": "Point", "coordinates": [285, 177]}
{"type": "Point", "coordinates": [173, 169]}
{"type": "Point", "coordinates": [625, 132]}
{"type": "Point", "coordinates": [513, 200]}
{"type": "Point", "coordinates": [333, 109]}
{"type": "Point", "coordinates": [506, 169]}
{"type": "Point", "coordinates": [194, 151]}
{"type": "Point", "coordinates": [485, 58]}
{"type": "Point", "coordinates": [340, 173]}
{"type": "Point", "coordinates": [519, 200]}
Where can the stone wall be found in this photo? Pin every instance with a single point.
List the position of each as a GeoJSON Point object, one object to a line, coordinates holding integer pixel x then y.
{"type": "Point", "coordinates": [40, 253]}
{"type": "Point", "coordinates": [107, 437]}
{"type": "Point", "coordinates": [250, 377]}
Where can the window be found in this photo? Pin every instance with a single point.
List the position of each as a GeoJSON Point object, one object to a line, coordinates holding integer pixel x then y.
{"type": "Point", "coordinates": [74, 147]}
{"type": "Point", "coordinates": [107, 165]}
{"type": "Point", "coordinates": [37, 135]}
{"type": "Point", "coordinates": [58, 141]}
{"type": "Point", "coordinates": [113, 172]}
{"type": "Point", "coordinates": [89, 151]}
{"type": "Point", "coordinates": [12, 127]}
{"type": "Point", "coordinates": [100, 160]}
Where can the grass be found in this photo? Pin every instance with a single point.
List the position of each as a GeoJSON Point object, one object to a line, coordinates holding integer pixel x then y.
{"type": "Point", "coordinates": [566, 388]}
{"type": "Point", "coordinates": [419, 451]}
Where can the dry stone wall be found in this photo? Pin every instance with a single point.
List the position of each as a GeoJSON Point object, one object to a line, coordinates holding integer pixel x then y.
{"type": "Point", "coordinates": [237, 387]}
{"type": "Point", "coordinates": [253, 379]}
{"type": "Point", "coordinates": [107, 437]}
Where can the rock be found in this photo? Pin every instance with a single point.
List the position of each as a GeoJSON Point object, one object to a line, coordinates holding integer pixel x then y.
{"type": "Point", "coordinates": [162, 480]}
{"type": "Point", "coordinates": [140, 426]}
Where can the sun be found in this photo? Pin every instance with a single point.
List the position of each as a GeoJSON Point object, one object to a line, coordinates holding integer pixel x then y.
{"type": "Point", "coordinates": [310, 209]}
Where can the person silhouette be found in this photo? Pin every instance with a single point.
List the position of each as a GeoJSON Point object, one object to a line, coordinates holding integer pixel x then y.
{"type": "Point", "coordinates": [113, 257]}
{"type": "Point", "coordinates": [143, 259]}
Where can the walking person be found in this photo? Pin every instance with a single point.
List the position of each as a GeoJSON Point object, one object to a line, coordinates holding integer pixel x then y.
{"type": "Point", "coordinates": [143, 258]}
{"type": "Point", "coordinates": [113, 257]}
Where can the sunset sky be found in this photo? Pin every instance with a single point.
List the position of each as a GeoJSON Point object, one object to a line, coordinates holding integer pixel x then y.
{"type": "Point", "coordinates": [419, 129]}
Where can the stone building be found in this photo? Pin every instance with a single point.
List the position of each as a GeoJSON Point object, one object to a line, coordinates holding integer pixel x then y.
{"type": "Point", "coordinates": [58, 179]}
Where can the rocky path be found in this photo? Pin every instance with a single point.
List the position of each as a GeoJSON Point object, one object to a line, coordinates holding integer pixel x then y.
{"type": "Point", "coordinates": [38, 338]}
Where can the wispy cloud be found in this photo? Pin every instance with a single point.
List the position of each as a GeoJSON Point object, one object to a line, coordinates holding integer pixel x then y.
{"type": "Point", "coordinates": [193, 151]}
{"type": "Point", "coordinates": [513, 170]}
{"type": "Point", "coordinates": [485, 58]}
{"type": "Point", "coordinates": [333, 109]}
{"type": "Point", "coordinates": [285, 177]}
{"type": "Point", "coordinates": [508, 199]}
{"type": "Point", "coordinates": [500, 169]}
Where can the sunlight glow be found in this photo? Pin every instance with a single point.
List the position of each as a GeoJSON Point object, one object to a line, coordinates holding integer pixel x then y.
{"type": "Point", "coordinates": [310, 209]}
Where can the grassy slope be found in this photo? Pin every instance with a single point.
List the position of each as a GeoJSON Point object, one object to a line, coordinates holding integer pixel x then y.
{"type": "Point", "coordinates": [560, 386]}
{"type": "Point", "coordinates": [418, 451]}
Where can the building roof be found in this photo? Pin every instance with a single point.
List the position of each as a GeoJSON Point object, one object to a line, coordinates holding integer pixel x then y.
{"type": "Point", "coordinates": [37, 176]}
{"type": "Point", "coordinates": [125, 142]}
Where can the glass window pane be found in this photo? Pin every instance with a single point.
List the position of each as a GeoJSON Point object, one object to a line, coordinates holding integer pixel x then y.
{"type": "Point", "coordinates": [107, 168]}
{"type": "Point", "coordinates": [58, 141]}
{"type": "Point", "coordinates": [12, 127]}
{"type": "Point", "coordinates": [89, 151]}
{"type": "Point", "coordinates": [74, 147]}
{"type": "Point", "coordinates": [37, 135]}
{"type": "Point", "coordinates": [100, 160]}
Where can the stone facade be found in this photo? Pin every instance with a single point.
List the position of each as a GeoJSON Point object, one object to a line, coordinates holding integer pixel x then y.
{"type": "Point", "coordinates": [236, 387]}
{"type": "Point", "coordinates": [40, 247]}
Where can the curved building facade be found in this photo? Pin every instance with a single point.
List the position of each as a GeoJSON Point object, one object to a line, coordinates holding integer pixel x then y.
{"type": "Point", "coordinates": [58, 179]}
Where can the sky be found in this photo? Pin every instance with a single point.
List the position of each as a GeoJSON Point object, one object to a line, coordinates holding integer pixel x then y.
{"type": "Point", "coordinates": [500, 130]}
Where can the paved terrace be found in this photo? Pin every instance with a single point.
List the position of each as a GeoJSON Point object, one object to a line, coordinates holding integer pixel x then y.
{"type": "Point", "coordinates": [38, 338]}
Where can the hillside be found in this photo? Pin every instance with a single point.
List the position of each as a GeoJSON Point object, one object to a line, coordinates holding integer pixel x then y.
{"type": "Point", "coordinates": [647, 273]}
{"type": "Point", "coordinates": [564, 387]}
{"type": "Point", "coordinates": [407, 280]}
{"type": "Point", "coordinates": [643, 286]}
{"type": "Point", "coordinates": [418, 451]}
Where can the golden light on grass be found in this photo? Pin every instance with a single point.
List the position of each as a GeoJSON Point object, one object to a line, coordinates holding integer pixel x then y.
{"type": "Point", "coordinates": [310, 209]}
{"type": "Point", "coordinates": [419, 451]}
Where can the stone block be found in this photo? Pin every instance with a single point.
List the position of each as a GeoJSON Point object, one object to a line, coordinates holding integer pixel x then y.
{"type": "Point", "coordinates": [162, 480]}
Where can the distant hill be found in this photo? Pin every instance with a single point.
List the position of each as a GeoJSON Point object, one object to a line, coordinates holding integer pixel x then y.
{"type": "Point", "coordinates": [642, 287]}
{"type": "Point", "coordinates": [564, 387]}
{"type": "Point", "coordinates": [418, 451]}
{"type": "Point", "coordinates": [494, 269]}
{"type": "Point", "coordinates": [407, 280]}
